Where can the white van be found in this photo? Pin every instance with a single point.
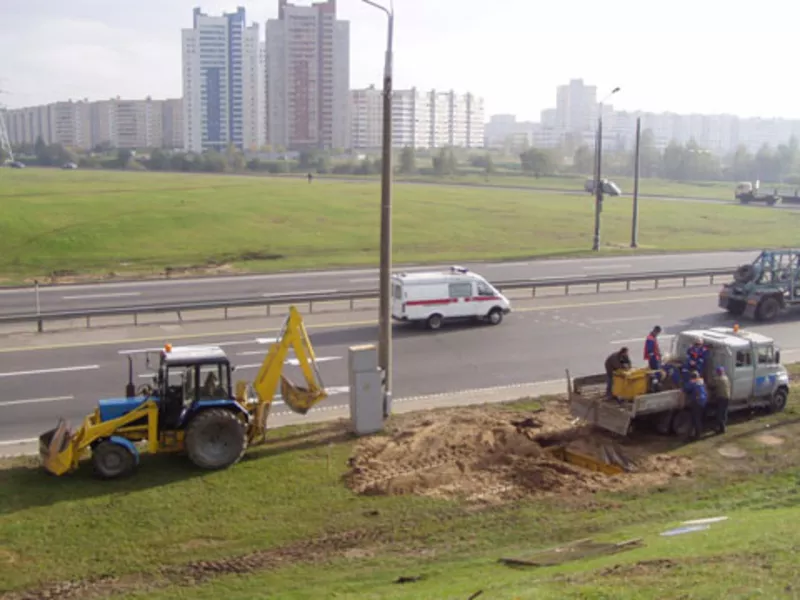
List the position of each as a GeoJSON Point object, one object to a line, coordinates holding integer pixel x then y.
{"type": "Point", "coordinates": [438, 296]}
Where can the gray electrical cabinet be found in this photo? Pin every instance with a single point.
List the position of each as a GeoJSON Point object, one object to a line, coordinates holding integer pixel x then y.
{"type": "Point", "coordinates": [366, 390]}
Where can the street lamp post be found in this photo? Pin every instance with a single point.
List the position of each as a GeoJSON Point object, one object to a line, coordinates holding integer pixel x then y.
{"type": "Point", "coordinates": [385, 307]}
{"type": "Point", "coordinates": [598, 188]}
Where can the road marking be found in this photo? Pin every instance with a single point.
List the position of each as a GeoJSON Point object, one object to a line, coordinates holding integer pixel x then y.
{"type": "Point", "coordinates": [365, 280]}
{"type": "Point", "coordinates": [36, 400]}
{"type": "Point", "coordinates": [549, 277]}
{"type": "Point", "coordinates": [340, 325]}
{"type": "Point", "coordinates": [640, 339]}
{"type": "Point", "coordinates": [91, 296]}
{"type": "Point", "coordinates": [624, 319]}
{"type": "Point", "coordinates": [56, 370]}
{"type": "Point", "coordinates": [299, 293]}
{"type": "Point", "coordinates": [220, 344]}
{"type": "Point", "coordinates": [502, 265]}
{"type": "Point", "coordinates": [18, 442]}
{"type": "Point", "coordinates": [598, 267]}
{"type": "Point", "coordinates": [290, 361]}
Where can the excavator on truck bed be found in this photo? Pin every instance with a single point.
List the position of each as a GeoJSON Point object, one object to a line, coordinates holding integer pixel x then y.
{"type": "Point", "coordinates": [190, 408]}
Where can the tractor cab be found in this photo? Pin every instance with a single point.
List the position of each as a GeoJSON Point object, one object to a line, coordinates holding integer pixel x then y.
{"type": "Point", "coordinates": [188, 376]}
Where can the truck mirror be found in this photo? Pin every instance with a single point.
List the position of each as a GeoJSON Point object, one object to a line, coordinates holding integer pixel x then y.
{"type": "Point", "coordinates": [777, 357]}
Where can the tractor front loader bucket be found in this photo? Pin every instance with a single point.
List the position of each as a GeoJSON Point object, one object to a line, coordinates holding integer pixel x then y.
{"type": "Point", "coordinates": [56, 450]}
{"type": "Point", "coordinates": [300, 399]}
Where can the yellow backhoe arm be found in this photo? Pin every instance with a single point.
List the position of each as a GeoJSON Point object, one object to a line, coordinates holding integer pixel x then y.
{"type": "Point", "coordinates": [293, 335]}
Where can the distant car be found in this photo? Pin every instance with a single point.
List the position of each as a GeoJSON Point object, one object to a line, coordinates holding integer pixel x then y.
{"type": "Point", "coordinates": [609, 187]}
{"type": "Point", "coordinates": [69, 165]}
{"type": "Point", "coordinates": [16, 165]}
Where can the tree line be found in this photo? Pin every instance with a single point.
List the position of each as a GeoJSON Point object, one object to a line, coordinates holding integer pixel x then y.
{"type": "Point", "coordinates": [678, 162]}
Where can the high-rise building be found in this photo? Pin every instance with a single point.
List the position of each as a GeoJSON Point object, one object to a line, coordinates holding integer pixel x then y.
{"type": "Point", "coordinates": [576, 106]}
{"type": "Point", "coordinates": [307, 77]}
{"type": "Point", "coordinates": [221, 73]}
{"type": "Point", "coordinates": [419, 119]}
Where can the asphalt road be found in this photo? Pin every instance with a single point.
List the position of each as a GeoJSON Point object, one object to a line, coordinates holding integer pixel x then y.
{"type": "Point", "coordinates": [105, 295]}
{"type": "Point", "coordinates": [66, 375]}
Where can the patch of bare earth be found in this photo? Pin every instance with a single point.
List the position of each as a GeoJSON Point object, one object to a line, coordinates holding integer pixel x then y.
{"type": "Point", "coordinates": [486, 455]}
{"type": "Point", "coordinates": [350, 544]}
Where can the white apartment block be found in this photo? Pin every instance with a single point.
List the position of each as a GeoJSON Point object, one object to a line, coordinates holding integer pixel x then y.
{"type": "Point", "coordinates": [132, 124]}
{"type": "Point", "coordinates": [308, 77]}
{"type": "Point", "coordinates": [221, 73]}
{"type": "Point", "coordinates": [419, 119]}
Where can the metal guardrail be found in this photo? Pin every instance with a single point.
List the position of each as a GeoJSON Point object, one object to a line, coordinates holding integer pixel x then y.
{"type": "Point", "coordinates": [351, 297]}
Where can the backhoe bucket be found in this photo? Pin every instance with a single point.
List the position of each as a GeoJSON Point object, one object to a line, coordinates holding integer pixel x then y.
{"type": "Point", "coordinates": [56, 449]}
{"type": "Point", "coordinates": [299, 399]}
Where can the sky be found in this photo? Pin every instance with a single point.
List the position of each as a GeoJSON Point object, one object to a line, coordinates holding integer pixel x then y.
{"type": "Point", "coordinates": [700, 56]}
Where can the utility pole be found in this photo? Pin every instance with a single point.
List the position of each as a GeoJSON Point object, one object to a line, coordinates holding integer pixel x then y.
{"type": "Point", "coordinates": [598, 188]}
{"type": "Point", "coordinates": [385, 305]}
{"type": "Point", "coordinates": [635, 220]}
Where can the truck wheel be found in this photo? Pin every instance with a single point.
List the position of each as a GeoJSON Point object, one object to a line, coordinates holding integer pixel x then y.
{"type": "Point", "coordinates": [768, 308]}
{"type": "Point", "coordinates": [778, 401]}
{"type": "Point", "coordinates": [664, 423]}
{"type": "Point", "coordinates": [111, 460]}
{"type": "Point", "coordinates": [682, 423]}
{"type": "Point", "coordinates": [435, 322]}
{"type": "Point", "coordinates": [495, 316]}
{"type": "Point", "coordinates": [216, 439]}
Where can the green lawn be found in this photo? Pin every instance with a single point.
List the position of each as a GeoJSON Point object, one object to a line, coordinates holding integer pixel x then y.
{"type": "Point", "coordinates": [281, 524]}
{"type": "Point", "coordinates": [96, 223]}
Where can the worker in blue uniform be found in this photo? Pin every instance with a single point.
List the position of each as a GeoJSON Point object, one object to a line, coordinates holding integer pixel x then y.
{"type": "Point", "coordinates": [696, 356]}
{"type": "Point", "coordinates": [697, 397]}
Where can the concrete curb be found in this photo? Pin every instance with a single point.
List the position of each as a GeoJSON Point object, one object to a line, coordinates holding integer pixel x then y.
{"type": "Point", "coordinates": [490, 395]}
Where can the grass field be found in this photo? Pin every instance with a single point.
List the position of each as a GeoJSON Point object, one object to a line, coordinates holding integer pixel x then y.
{"type": "Point", "coordinates": [96, 223]}
{"type": "Point", "coordinates": [712, 190]}
{"type": "Point", "coordinates": [282, 525]}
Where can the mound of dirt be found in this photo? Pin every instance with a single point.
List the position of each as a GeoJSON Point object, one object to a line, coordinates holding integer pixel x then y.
{"type": "Point", "coordinates": [491, 455]}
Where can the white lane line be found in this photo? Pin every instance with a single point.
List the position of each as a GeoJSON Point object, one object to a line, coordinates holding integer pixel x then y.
{"type": "Point", "coordinates": [565, 276]}
{"type": "Point", "coordinates": [16, 442]}
{"type": "Point", "coordinates": [249, 353]}
{"type": "Point", "coordinates": [220, 344]}
{"type": "Point", "coordinates": [45, 371]}
{"type": "Point", "coordinates": [36, 400]}
{"type": "Point", "coordinates": [598, 267]}
{"type": "Point", "coordinates": [298, 293]}
{"type": "Point", "coordinates": [639, 339]}
{"type": "Point", "coordinates": [92, 296]}
{"type": "Point", "coordinates": [624, 319]}
{"type": "Point", "coordinates": [503, 265]}
{"type": "Point", "coordinates": [365, 280]}
{"type": "Point", "coordinates": [291, 361]}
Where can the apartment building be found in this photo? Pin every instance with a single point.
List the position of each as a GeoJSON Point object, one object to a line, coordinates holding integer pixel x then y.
{"type": "Point", "coordinates": [307, 77]}
{"type": "Point", "coordinates": [221, 83]}
{"type": "Point", "coordinates": [84, 125]}
{"type": "Point", "coordinates": [419, 119]}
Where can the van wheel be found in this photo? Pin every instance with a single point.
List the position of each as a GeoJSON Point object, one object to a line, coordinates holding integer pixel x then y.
{"type": "Point", "coordinates": [434, 322]}
{"type": "Point", "coordinates": [768, 309]}
{"type": "Point", "coordinates": [495, 316]}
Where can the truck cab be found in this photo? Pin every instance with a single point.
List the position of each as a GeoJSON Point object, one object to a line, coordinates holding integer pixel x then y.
{"type": "Point", "coordinates": [751, 361]}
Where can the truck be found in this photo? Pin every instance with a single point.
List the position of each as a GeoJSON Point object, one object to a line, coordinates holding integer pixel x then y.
{"type": "Point", "coordinates": [747, 193]}
{"type": "Point", "coordinates": [609, 187]}
{"type": "Point", "coordinates": [751, 360]}
{"type": "Point", "coordinates": [761, 290]}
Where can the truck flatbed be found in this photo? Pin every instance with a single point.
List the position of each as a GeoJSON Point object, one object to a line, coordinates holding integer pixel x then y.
{"type": "Point", "coordinates": [588, 401]}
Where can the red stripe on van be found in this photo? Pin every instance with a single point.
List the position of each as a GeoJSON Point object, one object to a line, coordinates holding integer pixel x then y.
{"type": "Point", "coordinates": [450, 300]}
{"type": "Point", "coordinates": [430, 302]}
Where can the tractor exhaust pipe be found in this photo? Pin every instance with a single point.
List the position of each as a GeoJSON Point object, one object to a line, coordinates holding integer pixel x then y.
{"type": "Point", "coordinates": [130, 389]}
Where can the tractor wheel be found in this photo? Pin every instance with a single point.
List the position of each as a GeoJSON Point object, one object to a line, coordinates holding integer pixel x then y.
{"type": "Point", "coordinates": [215, 439]}
{"type": "Point", "coordinates": [744, 274]}
{"type": "Point", "coordinates": [495, 316]}
{"type": "Point", "coordinates": [111, 460]}
{"type": "Point", "coordinates": [768, 308]}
